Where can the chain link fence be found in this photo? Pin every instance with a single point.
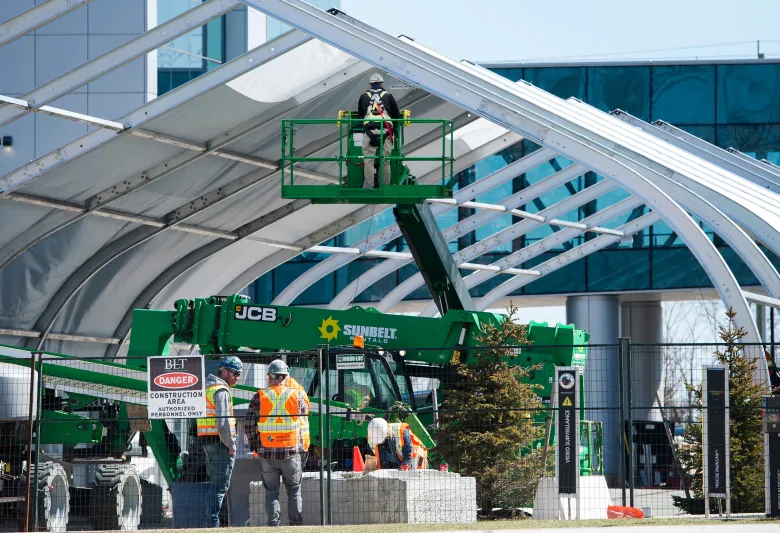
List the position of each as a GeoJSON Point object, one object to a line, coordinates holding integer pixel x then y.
{"type": "Point", "coordinates": [473, 434]}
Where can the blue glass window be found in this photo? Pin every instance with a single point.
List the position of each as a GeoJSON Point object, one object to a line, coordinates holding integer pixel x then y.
{"type": "Point", "coordinates": [684, 94]}
{"type": "Point", "coordinates": [616, 269]}
{"type": "Point", "coordinates": [748, 94]}
{"type": "Point", "coordinates": [761, 142]}
{"type": "Point", "coordinates": [625, 88]}
{"type": "Point", "coordinates": [513, 74]}
{"type": "Point", "coordinates": [563, 82]}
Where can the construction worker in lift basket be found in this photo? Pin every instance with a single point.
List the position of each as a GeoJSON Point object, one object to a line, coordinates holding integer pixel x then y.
{"type": "Point", "coordinates": [395, 446]}
{"type": "Point", "coordinates": [375, 107]}
{"type": "Point", "coordinates": [217, 434]}
{"type": "Point", "coordinates": [277, 426]}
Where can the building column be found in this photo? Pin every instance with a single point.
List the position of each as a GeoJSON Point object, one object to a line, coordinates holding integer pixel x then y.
{"type": "Point", "coordinates": [642, 322]}
{"type": "Point", "coordinates": [599, 315]}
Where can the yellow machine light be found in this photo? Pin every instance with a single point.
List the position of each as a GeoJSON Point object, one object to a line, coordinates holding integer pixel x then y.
{"type": "Point", "coordinates": [358, 342]}
{"type": "Point", "coordinates": [343, 113]}
{"type": "Point", "coordinates": [407, 115]}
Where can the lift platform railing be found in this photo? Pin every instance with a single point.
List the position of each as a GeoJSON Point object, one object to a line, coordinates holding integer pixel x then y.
{"type": "Point", "coordinates": [343, 180]}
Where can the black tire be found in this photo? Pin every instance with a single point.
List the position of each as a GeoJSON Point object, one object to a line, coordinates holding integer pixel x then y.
{"type": "Point", "coordinates": [116, 497]}
{"type": "Point", "coordinates": [53, 498]}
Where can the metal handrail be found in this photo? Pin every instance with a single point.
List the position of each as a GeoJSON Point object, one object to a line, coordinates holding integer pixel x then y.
{"type": "Point", "coordinates": [289, 158]}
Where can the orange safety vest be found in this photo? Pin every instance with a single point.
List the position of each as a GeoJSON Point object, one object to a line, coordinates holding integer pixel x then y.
{"type": "Point", "coordinates": [419, 451]}
{"type": "Point", "coordinates": [279, 423]}
{"type": "Point", "coordinates": [208, 426]}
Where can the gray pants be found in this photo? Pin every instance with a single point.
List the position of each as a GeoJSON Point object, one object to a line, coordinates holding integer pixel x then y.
{"type": "Point", "coordinates": [219, 465]}
{"type": "Point", "coordinates": [369, 164]}
{"type": "Point", "coordinates": [290, 471]}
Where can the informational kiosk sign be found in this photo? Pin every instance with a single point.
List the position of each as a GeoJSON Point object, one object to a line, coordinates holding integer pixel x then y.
{"type": "Point", "coordinates": [715, 436]}
{"type": "Point", "coordinates": [772, 454]}
{"type": "Point", "coordinates": [567, 430]}
{"type": "Point", "coordinates": [176, 387]}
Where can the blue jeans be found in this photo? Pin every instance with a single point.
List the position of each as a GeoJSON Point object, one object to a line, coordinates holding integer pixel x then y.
{"type": "Point", "coordinates": [219, 465]}
{"type": "Point", "coordinates": [290, 471]}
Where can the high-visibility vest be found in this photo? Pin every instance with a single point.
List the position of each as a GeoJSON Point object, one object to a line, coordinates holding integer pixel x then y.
{"type": "Point", "coordinates": [419, 451]}
{"type": "Point", "coordinates": [304, 419]}
{"type": "Point", "coordinates": [279, 422]}
{"type": "Point", "coordinates": [208, 426]}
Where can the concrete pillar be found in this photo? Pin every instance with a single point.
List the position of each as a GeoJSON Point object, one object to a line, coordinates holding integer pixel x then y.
{"type": "Point", "coordinates": [599, 315]}
{"type": "Point", "coordinates": [642, 322]}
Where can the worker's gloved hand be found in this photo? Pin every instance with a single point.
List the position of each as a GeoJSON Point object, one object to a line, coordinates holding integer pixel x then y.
{"type": "Point", "coordinates": [404, 468]}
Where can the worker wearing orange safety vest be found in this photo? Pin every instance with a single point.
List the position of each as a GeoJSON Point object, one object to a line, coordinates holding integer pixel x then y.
{"type": "Point", "coordinates": [217, 434]}
{"type": "Point", "coordinates": [395, 446]}
{"type": "Point", "coordinates": [277, 426]}
{"type": "Point", "coordinates": [375, 107]}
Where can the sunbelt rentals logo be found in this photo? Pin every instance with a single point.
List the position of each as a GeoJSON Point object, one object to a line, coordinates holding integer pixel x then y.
{"type": "Point", "coordinates": [330, 329]}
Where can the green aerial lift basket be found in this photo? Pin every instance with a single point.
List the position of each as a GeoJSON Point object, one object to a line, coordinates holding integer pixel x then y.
{"type": "Point", "coordinates": [300, 181]}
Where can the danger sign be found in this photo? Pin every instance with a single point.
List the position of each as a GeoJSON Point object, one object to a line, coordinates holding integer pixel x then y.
{"type": "Point", "coordinates": [176, 387]}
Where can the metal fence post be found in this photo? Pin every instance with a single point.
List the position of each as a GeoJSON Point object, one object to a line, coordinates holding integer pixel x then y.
{"type": "Point", "coordinates": [37, 439]}
{"type": "Point", "coordinates": [622, 409]}
{"type": "Point", "coordinates": [328, 431]}
{"type": "Point", "coordinates": [29, 444]}
{"type": "Point", "coordinates": [321, 421]}
{"type": "Point", "coordinates": [625, 352]}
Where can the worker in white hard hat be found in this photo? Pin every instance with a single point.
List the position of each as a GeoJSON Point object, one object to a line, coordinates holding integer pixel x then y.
{"type": "Point", "coordinates": [396, 446]}
{"type": "Point", "coordinates": [278, 429]}
{"type": "Point", "coordinates": [376, 106]}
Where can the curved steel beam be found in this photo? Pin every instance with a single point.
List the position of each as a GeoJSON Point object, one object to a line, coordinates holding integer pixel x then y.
{"type": "Point", "coordinates": [496, 179]}
{"type": "Point", "coordinates": [566, 258]}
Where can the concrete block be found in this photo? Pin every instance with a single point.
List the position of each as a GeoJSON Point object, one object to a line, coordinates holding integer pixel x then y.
{"type": "Point", "coordinates": [384, 496]}
{"type": "Point", "coordinates": [593, 502]}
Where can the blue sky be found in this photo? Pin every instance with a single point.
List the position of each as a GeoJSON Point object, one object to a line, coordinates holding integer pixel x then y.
{"type": "Point", "coordinates": [515, 30]}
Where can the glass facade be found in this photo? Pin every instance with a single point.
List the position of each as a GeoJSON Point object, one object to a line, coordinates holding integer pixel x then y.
{"type": "Point", "coordinates": [730, 105]}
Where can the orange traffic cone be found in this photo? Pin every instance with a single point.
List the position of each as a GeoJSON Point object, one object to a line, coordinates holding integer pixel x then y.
{"type": "Point", "coordinates": [357, 460]}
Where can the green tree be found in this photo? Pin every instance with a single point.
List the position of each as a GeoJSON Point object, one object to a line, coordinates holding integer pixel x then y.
{"type": "Point", "coordinates": [746, 437]}
{"type": "Point", "coordinates": [485, 422]}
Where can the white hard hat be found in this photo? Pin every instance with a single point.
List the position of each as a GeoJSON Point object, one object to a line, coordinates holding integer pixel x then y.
{"type": "Point", "coordinates": [376, 77]}
{"type": "Point", "coordinates": [377, 431]}
{"type": "Point", "coordinates": [277, 368]}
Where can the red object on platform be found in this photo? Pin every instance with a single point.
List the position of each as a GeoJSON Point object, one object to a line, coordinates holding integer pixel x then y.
{"type": "Point", "coordinates": [357, 460]}
{"type": "Point", "coordinates": [619, 511]}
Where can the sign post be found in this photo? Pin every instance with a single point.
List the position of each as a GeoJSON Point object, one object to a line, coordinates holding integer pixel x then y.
{"type": "Point", "coordinates": [772, 455]}
{"type": "Point", "coordinates": [567, 466]}
{"type": "Point", "coordinates": [176, 387]}
{"type": "Point", "coordinates": [715, 437]}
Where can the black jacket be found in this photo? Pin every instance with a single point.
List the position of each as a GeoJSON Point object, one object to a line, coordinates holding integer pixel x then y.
{"type": "Point", "coordinates": [388, 104]}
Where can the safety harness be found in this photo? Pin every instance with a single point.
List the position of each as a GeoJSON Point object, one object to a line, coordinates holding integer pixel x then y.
{"type": "Point", "coordinates": [374, 114]}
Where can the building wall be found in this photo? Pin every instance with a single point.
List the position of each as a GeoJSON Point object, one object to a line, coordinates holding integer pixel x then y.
{"type": "Point", "coordinates": [59, 47]}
